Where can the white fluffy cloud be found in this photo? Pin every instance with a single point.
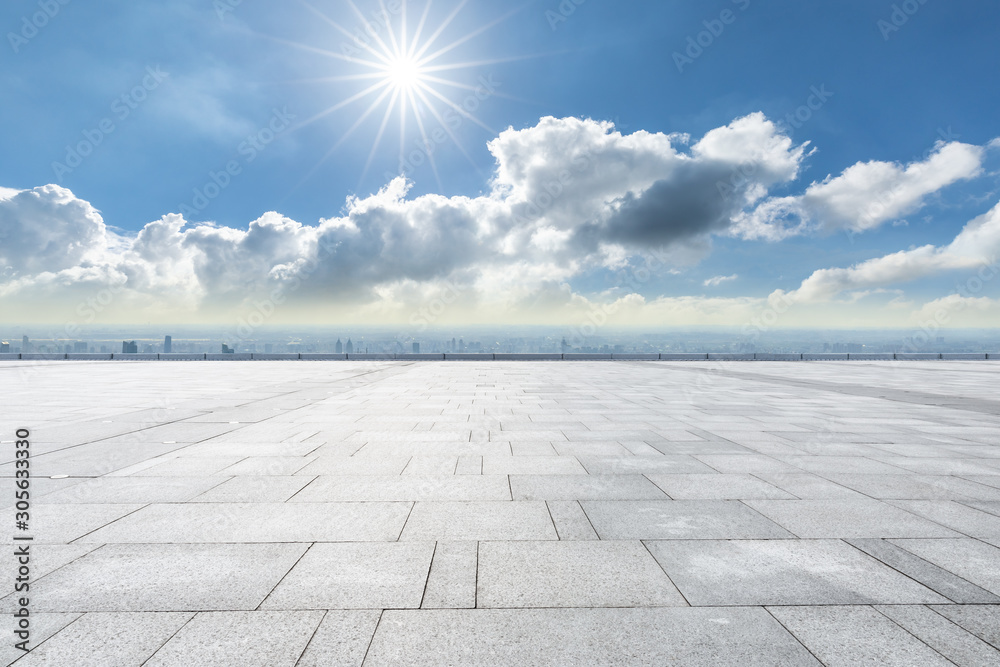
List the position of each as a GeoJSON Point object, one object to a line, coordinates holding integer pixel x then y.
{"type": "Point", "coordinates": [864, 196]}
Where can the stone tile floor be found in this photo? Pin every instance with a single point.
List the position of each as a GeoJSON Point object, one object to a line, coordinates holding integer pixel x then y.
{"type": "Point", "coordinates": [500, 513]}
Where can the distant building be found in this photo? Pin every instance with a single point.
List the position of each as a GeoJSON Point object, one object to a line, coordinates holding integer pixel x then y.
{"type": "Point", "coordinates": [79, 347]}
{"type": "Point", "coordinates": [416, 348]}
{"type": "Point", "coordinates": [130, 347]}
{"type": "Point", "coordinates": [564, 346]}
{"type": "Point", "coordinates": [227, 350]}
{"type": "Point", "coordinates": [350, 346]}
{"type": "Point", "coordinates": [268, 348]}
{"type": "Point", "coordinates": [69, 349]}
{"type": "Point", "coordinates": [4, 347]}
{"type": "Point", "coordinates": [340, 347]}
{"type": "Point", "coordinates": [25, 344]}
{"type": "Point", "coordinates": [168, 344]}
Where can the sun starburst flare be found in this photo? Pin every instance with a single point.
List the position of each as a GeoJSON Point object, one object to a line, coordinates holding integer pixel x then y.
{"type": "Point", "coordinates": [403, 74]}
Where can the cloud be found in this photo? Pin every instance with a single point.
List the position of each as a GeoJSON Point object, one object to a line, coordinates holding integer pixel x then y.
{"type": "Point", "coordinates": [975, 247]}
{"type": "Point", "coordinates": [568, 196]}
{"type": "Point", "coordinates": [718, 280]}
{"type": "Point", "coordinates": [863, 196]}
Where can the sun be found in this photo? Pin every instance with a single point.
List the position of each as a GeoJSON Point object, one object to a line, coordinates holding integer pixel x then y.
{"type": "Point", "coordinates": [402, 69]}
{"type": "Point", "coordinates": [404, 73]}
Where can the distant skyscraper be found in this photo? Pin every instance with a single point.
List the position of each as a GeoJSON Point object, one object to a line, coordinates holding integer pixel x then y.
{"type": "Point", "coordinates": [4, 347]}
{"type": "Point", "coordinates": [268, 348]}
{"type": "Point", "coordinates": [168, 344]}
{"type": "Point", "coordinates": [79, 347]}
{"type": "Point", "coordinates": [227, 350]}
{"type": "Point", "coordinates": [350, 346]}
{"type": "Point", "coordinates": [340, 347]}
{"type": "Point", "coordinates": [130, 347]}
{"type": "Point", "coordinates": [25, 344]}
{"type": "Point", "coordinates": [416, 348]}
{"type": "Point", "coordinates": [461, 345]}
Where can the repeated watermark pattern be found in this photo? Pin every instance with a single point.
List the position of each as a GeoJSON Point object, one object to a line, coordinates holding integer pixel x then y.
{"type": "Point", "coordinates": [700, 42]}
{"type": "Point", "coordinates": [33, 24]}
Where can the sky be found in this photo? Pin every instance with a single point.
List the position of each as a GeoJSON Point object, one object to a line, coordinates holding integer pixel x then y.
{"type": "Point", "coordinates": [557, 162]}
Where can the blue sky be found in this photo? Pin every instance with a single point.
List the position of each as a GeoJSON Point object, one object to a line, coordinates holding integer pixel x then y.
{"type": "Point", "coordinates": [165, 97]}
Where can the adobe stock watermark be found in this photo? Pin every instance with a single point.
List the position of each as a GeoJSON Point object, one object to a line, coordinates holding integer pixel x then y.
{"type": "Point", "coordinates": [714, 28]}
{"type": "Point", "coordinates": [225, 7]}
{"type": "Point", "coordinates": [454, 118]}
{"type": "Point", "coordinates": [380, 20]}
{"type": "Point", "coordinates": [33, 24]}
{"type": "Point", "coordinates": [249, 149]}
{"type": "Point", "coordinates": [121, 108]}
{"type": "Point", "coordinates": [899, 16]}
{"type": "Point", "coordinates": [561, 14]}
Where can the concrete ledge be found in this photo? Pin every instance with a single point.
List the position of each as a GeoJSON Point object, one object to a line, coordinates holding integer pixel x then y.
{"type": "Point", "coordinates": [322, 357]}
{"type": "Point", "coordinates": [275, 357]}
{"type": "Point", "coordinates": [40, 356]}
{"type": "Point", "coordinates": [587, 357]}
{"type": "Point", "coordinates": [504, 356]}
{"type": "Point", "coordinates": [726, 356]}
{"type": "Point", "coordinates": [686, 356]}
{"type": "Point", "coordinates": [777, 357]}
{"type": "Point", "coordinates": [118, 356]}
{"type": "Point", "coordinates": [103, 356]}
{"type": "Point", "coordinates": [993, 356]}
{"type": "Point", "coordinates": [377, 356]}
{"type": "Point", "coordinates": [180, 356]}
{"type": "Point", "coordinates": [870, 357]}
{"type": "Point", "coordinates": [635, 357]}
{"type": "Point", "coordinates": [963, 356]}
{"type": "Point", "coordinates": [431, 356]}
{"type": "Point", "coordinates": [833, 356]}
{"type": "Point", "coordinates": [918, 356]}
{"type": "Point", "coordinates": [235, 356]}
{"type": "Point", "coordinates": [10, 356]}
{"type": "Point", "coordinates": [468, 356]}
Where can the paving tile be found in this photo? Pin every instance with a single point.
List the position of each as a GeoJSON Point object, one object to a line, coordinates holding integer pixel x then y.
{"type": "Point", "coordinates": [130, 490]}
{"type": "Point", "coordinates": [959, 517]}
{"type": "Point", "coordinates": [526, 520]}
{"type": "Point", "coordinates": [982, 621]}
{"type": "Point", "coordinates": [679, 519]}
{"type": "Point", "coordinates": [847, 518]}
{"type": "Point", "coordinates": [541, 637]}
{"type": "Point", "coordinates": [571, 574]}
{"type": "Point", "coordinates": [164, 577]}
{"type": "Point", "coordinates": [342, 639]}
{"type": "Point", "coordinates": [351, 465]}
{"type": "Point", "coordinates": [406, 488]}
{"type": "Point", "coordinates": [256, 522]}
{"type": "Point", "coordinates": [570, 520]}
{"type": "Point", "coordinates": [452, 580]}
{"type": "Point", "coordinates": [783, 572]}
{"type": "Point", "coordinates": [59, 524]}
{"type": "Point", "coordinates": [717, 487]}
{"type": "Point", "coordinates": [852, 636]}
{"type": "Point", "coordinates": [354, 575]}
{"type": "Point", "coordinates": [239, 638]}
{"type": "Point", "coordinates": [250, 489]}
{"type": "Point", "coordinates": [745, 463]}
{"type": "Point", "coordinates": [915, 487]}
{"type": "Point", "coordinates": [42, 627]}
{"type": "Point", "coordinates": [108, 639]}
{"type": "Point", "coordinates": [948, 639]}
{"type": "Point", "coordinates": [531, 465]}
{"type": "Point", "coordinates": [807, 486]}
{"type": "Point", "coordinates": [641, 465]}
{"type": "Point", "coordinates": [583, 487]}
{"type": "Point", "coordinates": [268, 465]}
{"type": "Point", "coordinates": [946, 583]}
{"type": "Point", "coordinates": [974, 561]}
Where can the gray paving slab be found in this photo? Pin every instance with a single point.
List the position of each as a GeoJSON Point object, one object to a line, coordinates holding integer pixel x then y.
{"type": "Point", "coordinates": [531, 465]}
{"type": "Point", "coordinates": [405, 488]}
{"type": "Point", "coordinates": [43, 626]}
{"type": "Point", "coordinates": [679, 519]}
{"type": "Point", "coordinates": [343, 465]}
{"type": "Point", "coordinates": [936, 578]}
{"type": "Point", "coordinates": [60, 524]}
{"type": "Point", "coordinates": [958, 645]}
{"type": "Point", "coordinates": [641, 465]}
{"type": "Point", "coordinates": [570, 520]}
{"type": "Point", "coordinates": [847, 518]}
{"type": "Point", "coordinates": [858, 635]}
{"type": "Point", "coordinates": [517, 575]}
{"type": "Point", "coordinates": [164, 577]}
{"type": "Point", "coordinates": [956, 516]}
{"type": "Point", "coordinates": [916, 487]}
{"type": "Point", "coordinates": [342, 639]}
{"type": "Point", "coordinates": [583, 487]}
{"type": "Point", "coordinates": [717, 487]}
{"type": "Point", "coordinates": [239, 638]}
{"type": "Point", "coordinates": [130, 490]}
{"type": "Point", "coordinates": [807, 486]}
{"type": "Point", "coordinates": [256, 522]}
{"type": "Point", "coordinates": [451, 583]}
{"type": "Point", "coordinates": [251, 489]}
{"type": "Point", "coordinates": [526, 520]}
{"type": "Point", "coordinates": [982, 621]}
{"type": "Point", "coordinates": [543, 637]}
{"type": "Point", "coordinates": [972, 560]}
{"type": "Point", "coordinates": [783, 572]}
{"type": "Point", "coordinates": [108, 639]}
{"type": "Point", "coordinates": [356, 575]}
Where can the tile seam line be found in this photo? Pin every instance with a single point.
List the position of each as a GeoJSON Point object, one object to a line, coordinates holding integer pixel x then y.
{"type": "Point", "coordinates": [791, 634]}
{"type": "Point", "coordinates": [170, 638]}
{"type": "Point", "coordinates": [284, 576]}
{"type": "Point", "coordinates": [876, 609]}
{"type": "Point", "coordinates": [848, 542]}
{"type": "Point", "coordinates": [305, 648]}
{"type": "Point", "coordinates": [41, 643]}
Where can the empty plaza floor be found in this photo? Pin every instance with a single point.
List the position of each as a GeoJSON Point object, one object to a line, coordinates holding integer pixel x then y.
{"type": "Point", "coordinates": [504, 513]}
